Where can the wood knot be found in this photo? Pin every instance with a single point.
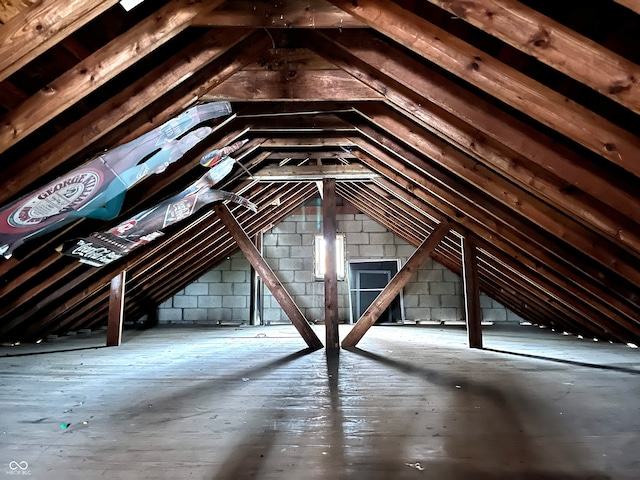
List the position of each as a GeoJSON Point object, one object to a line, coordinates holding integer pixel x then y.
{"type": "Point", "coordinates": [475, 66]}
{"type": "Point", "coordinates": [541, 39]}
{"type": "Point", "coordinates": [609, 147]}
{"type": "Point", "coordinates": [618, 87]}
{"type": "Point", "coordinates": [460, 8]}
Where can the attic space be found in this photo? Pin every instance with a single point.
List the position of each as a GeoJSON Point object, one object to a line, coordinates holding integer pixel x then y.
{"type": "Point", "coordinates": [358, 239]}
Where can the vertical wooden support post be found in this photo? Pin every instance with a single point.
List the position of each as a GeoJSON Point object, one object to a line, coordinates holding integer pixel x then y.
{"type": "Point", "coordinates": [473, 312]}
{"type": "Point", "coordinates": [116, 310]}
{"type": "Point", "coordinates": [255, 303]}
{"type": "Point", "coordinates": [268, 277]}
{"type": "Point", "coordinates": [391, 291]}
{"type": "Point", "coordinates": [329, 226]}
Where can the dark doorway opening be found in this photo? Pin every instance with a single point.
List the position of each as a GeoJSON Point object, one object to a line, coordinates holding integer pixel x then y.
{"type": "Point", "coordinates": [367, 278]}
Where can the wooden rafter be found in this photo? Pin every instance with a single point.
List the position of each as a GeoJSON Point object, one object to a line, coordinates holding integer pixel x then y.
{"type": "Point", "coordinates": [105, 118]}
{"type": "Point", "coordinates": [400, 279]}
{"type": "Point", "coordinates": [552, 43]}
{"type": "Point", "coordinates": [478, 128]}
{"type": "Point", "coordinates": [499, 80]}
{"type": "Point", "coordinates": [268, 277]}
{"type": "Point", "coordinates": [98, 69]}
{"type": "Point", "coordinates": [283, 14]}
{"type": "Point", "coordinates": [34, 30]}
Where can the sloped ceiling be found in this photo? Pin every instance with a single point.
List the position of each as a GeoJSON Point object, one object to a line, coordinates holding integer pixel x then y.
{"type": "Point", "coordinates": [516, 121]}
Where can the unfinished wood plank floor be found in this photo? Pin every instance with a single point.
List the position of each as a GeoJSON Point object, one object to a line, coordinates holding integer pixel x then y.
{"type": "Point", "coordinates": [233, 403]}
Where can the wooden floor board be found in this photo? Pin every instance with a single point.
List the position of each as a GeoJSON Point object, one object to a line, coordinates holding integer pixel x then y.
{"type": "Point", "coordinates": [250, 402]}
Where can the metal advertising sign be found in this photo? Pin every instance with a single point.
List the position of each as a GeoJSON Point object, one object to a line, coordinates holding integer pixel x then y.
{"type": "Point", "coordinates": [101, 248]}
{"type": "Point", "coordinates": [97, 188]}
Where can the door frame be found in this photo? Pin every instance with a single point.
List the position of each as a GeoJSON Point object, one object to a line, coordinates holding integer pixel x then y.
{"type": "Point", "coordinates": [351, 290]}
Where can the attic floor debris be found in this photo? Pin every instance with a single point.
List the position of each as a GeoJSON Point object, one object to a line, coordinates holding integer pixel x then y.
{"type": "Point", "coordinates": [229, 403]}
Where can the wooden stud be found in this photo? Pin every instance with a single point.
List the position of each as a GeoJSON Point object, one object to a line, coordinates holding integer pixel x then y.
{"type": "Point", "coordinates": [396, 284]}
{"type": "Point", "coordinates": [329, 226]}
{"type": "Point", "coordinates": [268, 277]}
{"type": "Point", "coordinates": [473, 312]}
{"type": "Point", "coordinates": [116, 310]}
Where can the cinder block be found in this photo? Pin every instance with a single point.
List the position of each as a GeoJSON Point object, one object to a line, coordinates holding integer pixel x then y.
{"type": "Point", "coordinates": [371, 251]}
{"type": "Point", "coordinates": [390, 251]}
{"type": "Point", "coordinates": [411, 301]}
{"type": "Point", "coordinates": [352, 251]}
{"type": "Point", "coordinates": [494, 314]}
{"type": "Point", "coordinates": [240, 315]}
{"type": "Point", "coordinates": [232, 301]}
{"type": "Point", "coordinates": [381, 238]}
{"type": "Point", "coordinates": [372, 226]}
{"type": "Point", "coordinates": [170, 315]}
{"type": "Point", "coordinates": [234, 276]}
{"type": "Point", "coordinates": [166, 304]}
{"type": "Point", "coordinates": [272, 314]}
{"type": "Point", "coordinates": [314, 313]}
{"type": "Point", "coordinates": [449, 276]}
{"type": "Point", "coordinates": [299, 252]}
{"type": "Point", "coordinates": [240, 263]}
{"type": "Point", "coordinates": [430, 276]}
{"type": "Point", "coordinates": [309, 227]}
{"type": "Point", "coordinates": [286, 277]}
{"type": "Point", "coordinates": [194, 314]}
{"type": "Point", "coordinates": [289, 239]}
{"type": "Point", "coordinates": [438, 266]}
{"type": "Point", "coordinates": [454, 301]}
{"type": "Point", "coordinates": [315, 289]}
{"type": "Point", "coordinates": [269, 239]}
{"type": "Point", "coordinates": [240, 289]}
{"type": "Point", "coordinates": [286, 226]}
{"type": "Point", "coordinates": [277, 252]}
{"type": "Point", "coordinates": [291, 264]}
{"type": "Point", "coordinates": [405, 251]}
{"type": "Point", "coordinates": [197, 289]}
{"type": "Point", "coordinates": [421, 313]}
{"type": "Point", "coordinates": [431, 301]}
{"type": "Point", "coordinates": [445, 314]}
{"type": "Point", "coordinates": [357, 239]}
{"type": "Point", "coordinates": [213, 276]}
{"type": "Point", "coordinates": [210, 301]}
{"type": "Point", "coordinates": [221, 289]}
{"type": "Point", "coordinates": [485, 301]}
{"type": "Point", "coordinates": [185, 302]}
{"type": "Point", "coordinates": [442, 288]}
{"type": "Point", "coordinates": [301, 276]}
{"type": "Point", "coordinates": [513, 317]}
{"type": "Point", "coordinates": [350, 226]}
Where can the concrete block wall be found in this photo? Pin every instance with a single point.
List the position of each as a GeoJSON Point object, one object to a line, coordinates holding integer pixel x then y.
{"type": "Point", "coordinates": [222, 295]}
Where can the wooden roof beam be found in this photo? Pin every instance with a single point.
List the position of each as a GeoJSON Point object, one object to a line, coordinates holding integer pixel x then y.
{"type": "Point", "coordinates": [521, 202]}
{"type": "Point", "coordinates": [93, 127]}
{"type": "Point", "coordinates": [99, 68]}
{"type": "Point", "coordinates": [529, 263]}
{"type": "Point", "coordinates": [479, 129]}
{"type": "Point", "coordinates": [476, 205]}
{"type": "Point", "coordinates": [283, 14]}
{"type": "Point", "coordinates": [499, 80]}
{"type": "Point", "coordinates": [34, 30]}
{"type": "Point", "coordinates": [554, 44]}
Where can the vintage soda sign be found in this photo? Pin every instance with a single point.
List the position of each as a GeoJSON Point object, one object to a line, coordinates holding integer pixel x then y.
{"type": "Point", "coordinates": [97, 189]}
